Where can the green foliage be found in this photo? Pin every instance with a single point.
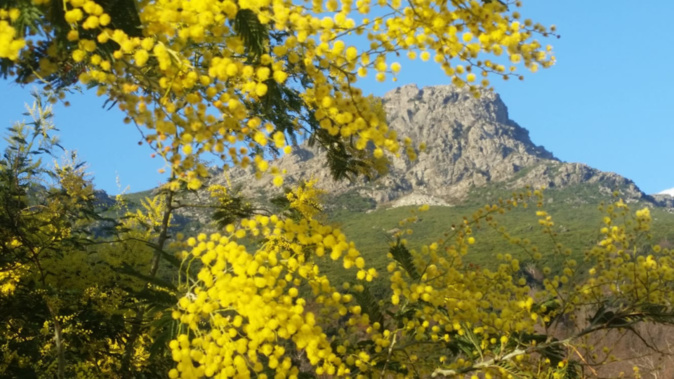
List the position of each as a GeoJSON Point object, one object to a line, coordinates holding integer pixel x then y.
{"type": "Point", "coordinates": [369, 304]}
{"type": "Point", "coordinates": [253, 33]}
{"type": "Point", "coordinates": [67, 294]}
{"type": "Point", "coordinates": [404, 258]}
{"type": "Point", "coordinates": [231, 208]}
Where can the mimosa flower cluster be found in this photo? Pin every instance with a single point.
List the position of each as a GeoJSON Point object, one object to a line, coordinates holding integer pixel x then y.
{"type": "Point", "coordinates": [246, 312]}
{"type": "Point", "coordinates": [191, 78]}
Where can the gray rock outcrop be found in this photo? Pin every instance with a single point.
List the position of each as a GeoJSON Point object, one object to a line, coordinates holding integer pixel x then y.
{"type": "Point", "coordinates": [471, 142]}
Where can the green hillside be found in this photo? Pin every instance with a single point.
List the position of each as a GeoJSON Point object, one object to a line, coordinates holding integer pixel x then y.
{"type": "Point", "coordinates": [574, 210]}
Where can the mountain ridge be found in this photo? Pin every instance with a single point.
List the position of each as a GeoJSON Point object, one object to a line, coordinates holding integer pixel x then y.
{"type": "Point", "coordinates": [471, 142]}
{"type": "Point", "coordinates": [669, 192]}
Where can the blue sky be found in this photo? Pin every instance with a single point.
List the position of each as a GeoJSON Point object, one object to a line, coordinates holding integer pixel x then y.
{"type": "Point", "coordinates": [608, 102]}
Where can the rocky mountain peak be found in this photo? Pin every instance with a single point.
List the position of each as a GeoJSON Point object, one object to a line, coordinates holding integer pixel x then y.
{"type": "Point", "coordinates": [471, 142]}
{"type": "Point", "coordinates": [447, 112]}
{"type": "Point", "coordinates": [437, 98]}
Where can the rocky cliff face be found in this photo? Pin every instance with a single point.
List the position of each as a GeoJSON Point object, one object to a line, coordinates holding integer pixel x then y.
{"type": "Point", "coordinates": [471, 142]}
